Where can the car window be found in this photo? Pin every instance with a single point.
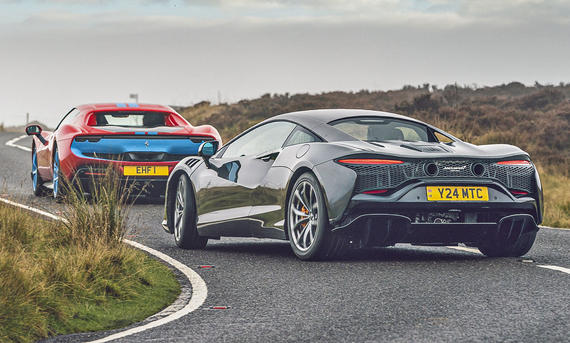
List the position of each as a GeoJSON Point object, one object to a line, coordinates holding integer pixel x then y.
{"type": "Point", "coordinates": [265, 138]}
{"type": "Point", "coordinates": [300, 136]}
{"type": "Point", "coordinates": [382, 129]}
{"type": "Point", "coordinates": [442, 138]}
{"type": "Point", "coordinates": [68, 117]}
{"type": "Point", "coordinates": [130, 119]}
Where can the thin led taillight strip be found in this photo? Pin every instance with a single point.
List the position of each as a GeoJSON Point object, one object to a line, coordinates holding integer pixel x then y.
{"type": "Point", "coordinates": [369, 161]}
{"type": "Point", "coordinates": [376, 191]}
{"type": "Point", "coordinates": [515, 162]}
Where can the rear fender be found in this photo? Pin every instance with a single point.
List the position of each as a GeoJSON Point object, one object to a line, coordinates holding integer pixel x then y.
{"type": "Point", "coordinates": [338, 185]}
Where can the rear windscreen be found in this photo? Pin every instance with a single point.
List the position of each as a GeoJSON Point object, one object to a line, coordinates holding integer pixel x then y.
{"type": "Point", "coordinates": [374, 129]}
{"type": "Point", "coordinates": [131, 119]}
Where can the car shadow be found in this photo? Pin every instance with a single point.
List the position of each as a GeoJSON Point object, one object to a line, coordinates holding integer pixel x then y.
{"type": "Point", "coordinates": [401, 253]}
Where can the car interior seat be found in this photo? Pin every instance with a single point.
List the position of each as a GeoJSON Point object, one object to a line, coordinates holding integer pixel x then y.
{"type": "Point", "coordinates": [384, 133]}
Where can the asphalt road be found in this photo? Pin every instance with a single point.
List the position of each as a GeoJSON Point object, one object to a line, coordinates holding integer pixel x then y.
{"type": "Point", "coordinates": [400, 294]}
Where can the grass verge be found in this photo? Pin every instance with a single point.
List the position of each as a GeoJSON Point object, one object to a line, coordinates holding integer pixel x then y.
{"type": "Point", "coordinates": [59, 278]}
{"type": "Point", "coordinates": [556, 188]}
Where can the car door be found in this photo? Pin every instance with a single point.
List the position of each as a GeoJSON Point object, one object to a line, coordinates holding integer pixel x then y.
{"type": "Point", "coordinates": [268, 194]}
{"type": "Point", "coordinates": [226, 186]}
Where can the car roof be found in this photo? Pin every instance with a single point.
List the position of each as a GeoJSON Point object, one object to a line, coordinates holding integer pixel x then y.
{"type": "Point", "coordinates": [328, 115]}
{"type": "Point", "coordinates": [121, 106]}
{"type": "Point", "coordinates": [317, 120]}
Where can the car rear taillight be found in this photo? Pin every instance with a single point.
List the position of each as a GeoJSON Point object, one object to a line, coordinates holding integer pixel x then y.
{"type": "Point", "coordinates": [376, 191]}
{"type": "Point", "coordinates": [516, 192]}
{"type": "Point", "coordinates": [514, 162]}
{"type": "Point", "coordinates": [368, 161]}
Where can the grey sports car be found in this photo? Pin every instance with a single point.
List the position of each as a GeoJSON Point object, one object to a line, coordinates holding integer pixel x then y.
{"type": "Point", "coordinates": [327, 180]}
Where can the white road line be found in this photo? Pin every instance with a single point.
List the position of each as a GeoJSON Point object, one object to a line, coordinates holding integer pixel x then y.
{"type": "Point", "coordinates": [554, 228]}
{"type": "Point", "coordinates": [33, 209]}
{"type": "Point", "coordinates": [12, 143]}
{"type": "Point", "coordinates": [199, 294]}
{"type": "Point", "coordinates": [473, 250]}
{"type": "Point", "coordinates": [199, 288]}
{"type": "Point", "coordinates": [560, 269]}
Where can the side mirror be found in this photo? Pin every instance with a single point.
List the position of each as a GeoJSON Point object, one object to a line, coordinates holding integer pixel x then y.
{"type": "Point", "coordinates": [33, 130]}
{"type": "Point", "coordinates": [36, 130]}
{"type": "Point", "coordinates": [208, 149]}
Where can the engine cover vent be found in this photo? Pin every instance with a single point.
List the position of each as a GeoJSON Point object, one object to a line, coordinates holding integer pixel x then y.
{"type": "Point", "coordinates": [426, 147]}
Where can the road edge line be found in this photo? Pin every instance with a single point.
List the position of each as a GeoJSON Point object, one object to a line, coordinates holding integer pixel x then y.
{"type": "Point", "coordinates": [557, 268]}
{"type": "Point", "coordinates": [199, 288]}
{"type": "Point", "coordinates": [12, 143]}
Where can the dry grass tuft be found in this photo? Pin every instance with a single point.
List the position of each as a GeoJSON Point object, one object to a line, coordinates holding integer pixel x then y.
{"type": "Point", "coordinates": [556, 185]}
{"type": "Point", "coordinates": [59, 278]}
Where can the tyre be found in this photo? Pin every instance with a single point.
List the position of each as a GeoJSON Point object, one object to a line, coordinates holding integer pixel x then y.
{"type": "Point", "coordinates": [57, 181]}
{"type": "Point", "coordinates": [185, 231]}
{"type": "Point", "coordinates": [309, 233]}
{"type": "Point", "coordinates": [37, 182]}
{"type": "Point", "coordinates": [500, 248]}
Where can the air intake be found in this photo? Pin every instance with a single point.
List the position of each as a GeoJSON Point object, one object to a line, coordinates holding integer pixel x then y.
{"type": "Point", "coordinates": [191, 162]}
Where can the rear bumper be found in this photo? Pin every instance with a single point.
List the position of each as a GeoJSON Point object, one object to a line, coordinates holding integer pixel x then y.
{"type": "Point", "coordinates": [406, 216]}
{"type": "Point", "coordinates": [152, 186]}
{"type": "Point", "coordinates": [389, 229]}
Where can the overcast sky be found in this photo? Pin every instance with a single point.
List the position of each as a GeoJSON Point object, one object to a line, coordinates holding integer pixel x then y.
{"type": "Point", "coordinates": [60, 53]}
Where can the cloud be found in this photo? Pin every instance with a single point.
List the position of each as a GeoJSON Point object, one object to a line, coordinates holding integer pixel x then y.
{"type": "Point", "coordinates": [57, 54]}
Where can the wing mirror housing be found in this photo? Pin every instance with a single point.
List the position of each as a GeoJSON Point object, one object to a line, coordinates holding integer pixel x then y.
{"type": "Point", "coordinates": [35, 130]}
{"type": "Point", "coordinates": [207, 150]}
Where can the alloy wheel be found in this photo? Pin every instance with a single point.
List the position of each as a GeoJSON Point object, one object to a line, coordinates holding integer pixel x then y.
{"type": "Point", "coordinates": [303, 216]}
{"type": "Point", "coordinates": [56, 175]}
{"type": "Point", "coordinates": [35, 171]}
{"type": "Point", "coordinates": [179, 207]}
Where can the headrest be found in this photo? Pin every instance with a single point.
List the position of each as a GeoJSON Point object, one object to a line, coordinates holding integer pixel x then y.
{"type": "Point", "coordinates": [384, 133]}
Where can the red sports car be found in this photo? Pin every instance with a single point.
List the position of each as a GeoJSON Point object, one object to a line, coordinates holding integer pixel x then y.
{"type": "Point", "coordinates": [143, 141]}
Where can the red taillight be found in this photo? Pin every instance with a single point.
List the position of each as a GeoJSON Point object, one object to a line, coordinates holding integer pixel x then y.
{"type": "Point", "coordinates": [376, 191]}
{"type": "Point", "coordinates": [515, 162]}
{"type": "Point", "coordinates": [515, 192]}
{"type": "Point", "coordinates": [368, 161]}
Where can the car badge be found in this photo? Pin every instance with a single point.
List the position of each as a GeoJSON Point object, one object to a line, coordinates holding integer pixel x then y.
{"type": "Point", "coordinates": [146, 144]}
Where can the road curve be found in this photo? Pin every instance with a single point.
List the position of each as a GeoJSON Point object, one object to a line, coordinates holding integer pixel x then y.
{"type": "Point", "coordinates": [398, 294]}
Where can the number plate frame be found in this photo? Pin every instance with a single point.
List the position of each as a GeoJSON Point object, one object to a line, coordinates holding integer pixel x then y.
{"type": "Point", "coordinates": [145, 171]}
{"type": "Point", "coordinates": [457, 193]}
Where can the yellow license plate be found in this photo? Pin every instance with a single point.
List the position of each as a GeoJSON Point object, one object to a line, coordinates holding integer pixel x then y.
{"type": "Point", "coordinates": [145, 171]}
{"type": "Point", "coordinates": [450, 193]}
